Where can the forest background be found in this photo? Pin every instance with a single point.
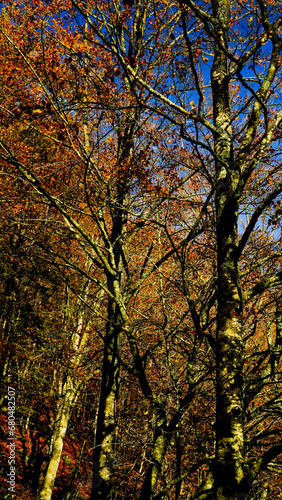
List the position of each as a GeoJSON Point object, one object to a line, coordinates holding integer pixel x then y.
{"type": "Point", "coordinates": [140, 283]}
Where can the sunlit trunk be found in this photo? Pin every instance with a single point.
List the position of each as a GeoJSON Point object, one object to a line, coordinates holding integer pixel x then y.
{"type": "Point", "coordinates": [159, 450]}
{"type": "Point", "coordinates": [104, 446]}
{"type": "Point", "coordinates": [60, 428]}
{"type": "Point", "coordinates": [67, 397]}
{"type": "Point", "coordinates": [229, 412]}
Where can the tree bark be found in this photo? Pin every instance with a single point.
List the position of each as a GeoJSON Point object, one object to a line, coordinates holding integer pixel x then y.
{"type": "Point", "coordinates": [105, 432]}
{"type": "Point", "coordinates": [159, 450]}
{"type": "Point", "coordinates": [63, 416]}
{"type": "Point", "coordinates": [68, 398]}
{"type": "Point", "coordinates": [104, 445]}
{"type": "Point", "coordinates": [229, 411]}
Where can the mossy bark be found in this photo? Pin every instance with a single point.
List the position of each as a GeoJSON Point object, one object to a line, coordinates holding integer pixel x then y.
{"type": "Point", "coordinates": [104, 445]}
{"type": "Point", "coordinates": [60, 429]}
{"type": "Point", "coordinates": [159, 449]}
{"type": "Point", "coordinates": [229, 425]}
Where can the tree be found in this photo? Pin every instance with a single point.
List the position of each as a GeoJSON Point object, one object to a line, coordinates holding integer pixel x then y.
{"type": "Point", "coordinates": [243, 135]}
{"type": "Point", "coordinates": [110, 205]}
{"type": "Point", "coordinates": [167, 106]}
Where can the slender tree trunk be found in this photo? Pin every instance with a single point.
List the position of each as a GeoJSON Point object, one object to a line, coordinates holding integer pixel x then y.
{"type": "Point", "coordinates": [159, 450]}
{"type": "Point", "coordinates": [277, 348]}
{"type": "Point", "coordinates": [178, 465]}
{"type": "Point", "coordinates": [67, 400]}
{"type": "Point", "coordinates": [61, 425]}
{"type": "Point", "coordinates": [229, 412]}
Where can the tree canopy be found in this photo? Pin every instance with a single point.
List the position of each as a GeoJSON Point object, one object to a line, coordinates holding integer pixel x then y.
{"type": "Point", "coordinates": [140, 286]}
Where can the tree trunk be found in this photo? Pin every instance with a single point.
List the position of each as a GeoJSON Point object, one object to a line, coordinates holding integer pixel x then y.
{"type": "Point", "coordinates": [104, 446]}
{"type": "Point", "coordinates": [229, 411]}
{"type": "Point", "coordinates": [159, 450]}
{"type": "Point", "coordinates": [67, 397]}
{"type": "Point", "coordinates": [61, 425]}
{"type": "Point", "coordinates": [105, 432]}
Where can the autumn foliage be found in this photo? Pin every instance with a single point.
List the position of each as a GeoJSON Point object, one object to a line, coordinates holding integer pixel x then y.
{"type": "Point", "coordinates": [140, 283]}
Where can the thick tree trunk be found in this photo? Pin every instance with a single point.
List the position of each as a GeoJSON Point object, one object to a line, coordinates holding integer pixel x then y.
{"type": "Point", "coordinates": [105, 432]}
{"type": "Point", "coordinates": [104, 446]}
{"type": "Point", "coordinates": [229, 427]}
{"type": "Point", "coordinates": [230, 441]}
